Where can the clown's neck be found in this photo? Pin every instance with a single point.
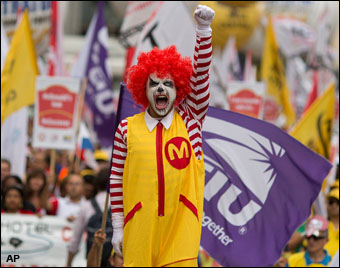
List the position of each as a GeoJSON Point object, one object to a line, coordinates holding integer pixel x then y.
{"type": "Point", "coordinates": [153, 114]}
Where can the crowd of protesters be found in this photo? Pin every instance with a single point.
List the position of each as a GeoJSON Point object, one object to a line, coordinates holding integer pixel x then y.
{"type": "Point", "coordinates": [72, 190]}
{"type": "Point", "coordinates": [66, 194]}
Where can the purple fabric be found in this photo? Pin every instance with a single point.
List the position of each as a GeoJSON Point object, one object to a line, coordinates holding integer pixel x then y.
{"type": "Point", "coordinates": [99, 92]}
{"type": "Point", "coordinates": [297, 174]}
{"type": "Point", "coordinates": [237, 149]}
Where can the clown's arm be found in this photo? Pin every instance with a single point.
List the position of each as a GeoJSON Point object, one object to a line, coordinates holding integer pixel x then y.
{"type": "Point", "coordinates": [196, 104]}
{"type": "Point", "coordinates": [116, 185]}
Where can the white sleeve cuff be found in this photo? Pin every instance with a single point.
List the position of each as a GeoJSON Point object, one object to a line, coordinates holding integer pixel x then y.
{"type": "Point", "coordinates": [203, 31]}
{"type": "Point", "coordinates": [118, 220]}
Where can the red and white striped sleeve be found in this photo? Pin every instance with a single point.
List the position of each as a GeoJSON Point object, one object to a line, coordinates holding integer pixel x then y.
{"type": "Point", "coordinates": [117, 168]}
{"type": "Point", "coordinates": [197, 102]}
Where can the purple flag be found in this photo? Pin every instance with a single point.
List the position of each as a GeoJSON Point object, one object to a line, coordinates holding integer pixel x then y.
{"type": "Point", "coordinates": [260, 184]}
{"type": "Point", "coordinates": [92, 63]}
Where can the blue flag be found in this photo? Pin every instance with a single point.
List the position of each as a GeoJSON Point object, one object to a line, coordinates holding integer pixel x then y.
{"type": "Point", "coordinates": [260, 184]}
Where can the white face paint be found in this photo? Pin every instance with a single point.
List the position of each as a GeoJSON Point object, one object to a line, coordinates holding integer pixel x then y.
{"type": "Point", "coordinates": [161, 94]}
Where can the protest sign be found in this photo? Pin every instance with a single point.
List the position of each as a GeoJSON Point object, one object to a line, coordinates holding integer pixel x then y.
{"type": "Point", "coordinates": [39, 16]}
{"type": "Point", "coordinates": [56, 112]}
{"type": "Point", "coordinates": [246, 97]}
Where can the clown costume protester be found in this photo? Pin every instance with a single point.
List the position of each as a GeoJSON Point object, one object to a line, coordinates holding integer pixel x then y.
{"type": "Point", "coordinates": [157, 173]}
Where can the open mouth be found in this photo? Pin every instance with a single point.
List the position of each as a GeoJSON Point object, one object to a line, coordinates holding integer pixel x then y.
{"type": "Point", "coordinates": [161, 101]}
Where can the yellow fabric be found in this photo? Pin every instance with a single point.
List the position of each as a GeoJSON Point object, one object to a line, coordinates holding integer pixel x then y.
{"type": "Point", "coordinates": [19, 72]}
{"type": "Point", "coordinates": [100, 155]}
{"type": "Point", "coordinates": [298, 260]}
{"type": "Point", "coordinates": [333, 244]}
{"type": "Point", "coordinates": [313, 129]}
{"type": "Point", "coordinates": [238, 21]}
{"type": "Point", "coordinates": [185, 263]}
{"type": "Point", "coordinates": [149, 239]}
{"type": "Point", "coordinates": [273, 72]}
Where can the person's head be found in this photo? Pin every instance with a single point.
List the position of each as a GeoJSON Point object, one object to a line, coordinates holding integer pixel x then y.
{"type": "Point", "coordinates": [316, 234]}
{"type": "Point", "coordinates": [36, 182]}
{"type": "Point", "coordinates": [101, 158]}
{"type": "Point", "coordinates": [39, 161]}
{"type": "Point", "coordinates": [74, 186]}
{"type": "Point", "coordinates": [160, 80]}
{"type": "Point", "coordinates": [333, 203]}
{"type": "Point", "coordinates": [13, 199]}
{"type": "Point", "coordinates": [102, 179]}
{"type": "Point", "coordinates": [88, 183]}
{"type": "Point", "coordinates": [5, 168]}
{"type": "Point", "coordinates": [11, 180]}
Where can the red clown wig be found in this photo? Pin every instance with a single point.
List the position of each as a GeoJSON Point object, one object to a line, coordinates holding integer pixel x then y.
{"type": "Point", "coordinates": [164, 63]}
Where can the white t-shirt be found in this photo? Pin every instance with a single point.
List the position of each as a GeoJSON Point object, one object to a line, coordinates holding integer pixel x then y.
{"type": "Point", "coordinates": [67, 208]}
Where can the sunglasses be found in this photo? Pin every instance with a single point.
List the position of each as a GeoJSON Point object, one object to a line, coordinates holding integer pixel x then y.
{"type": "Point", "coordinates": [332, 201]}
{"type": "Point", "coordinates": [316, 238]}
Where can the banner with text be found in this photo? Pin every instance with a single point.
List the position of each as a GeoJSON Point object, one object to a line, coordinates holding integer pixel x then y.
{"type": "Point", "coordinates": [56, 112]}
{"type": "Point", "coordinates": [246, 97]}
{"type": "Point", "coordinates": [39, 16]}
{"type": "Point", "coordinates": [29, 241]}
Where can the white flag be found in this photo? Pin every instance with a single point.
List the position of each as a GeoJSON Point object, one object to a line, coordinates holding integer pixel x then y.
{"type": "Point", "coordinates": [293, 36]}
{"type": "Point", "coordinates": [4, 46]}
{"type": "Point", "coordinates": [230, 64]}
{"type": "Point", "coordinates": [136, 16]}
{"type": "Point", "coordinates": [170, 24]}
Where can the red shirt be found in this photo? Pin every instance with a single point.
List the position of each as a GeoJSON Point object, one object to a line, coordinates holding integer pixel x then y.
{"type": "Point", "coordinates": [21, 211]}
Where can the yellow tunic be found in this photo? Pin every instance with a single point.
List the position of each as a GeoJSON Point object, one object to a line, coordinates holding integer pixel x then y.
{"type": "Point", "coordinates": [333, 235]}
{"type": "Point", "coordinates": [163, 187]}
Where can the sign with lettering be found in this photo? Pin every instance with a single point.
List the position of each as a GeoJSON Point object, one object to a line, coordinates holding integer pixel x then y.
{"type": "Point", "coordinates": [39, 16]}
{"type": "Point", "coordinates": [246, 97]}
{"type": "Point", "coordinates": [27, 240]}
{"type": "Point", "coordinates": [56, 112]}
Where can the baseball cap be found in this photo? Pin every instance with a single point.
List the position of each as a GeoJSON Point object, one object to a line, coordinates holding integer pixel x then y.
{"type": "Point", "coordinates": [316, 224]}
{"type": "Point", "coordinates": [335, 184]}
{"type": "Point", "coordinates": [334, 193]}
{"type": "Point", "coordinates": [101, 155]}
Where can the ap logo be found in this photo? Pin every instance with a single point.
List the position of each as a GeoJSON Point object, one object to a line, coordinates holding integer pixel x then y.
{"type": "Point", "coordinates": [238, 161]}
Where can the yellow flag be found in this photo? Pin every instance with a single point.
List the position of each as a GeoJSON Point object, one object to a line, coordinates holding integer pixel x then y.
{"type": "Point", "coordinates": [315, 127]}
{"type": "Point", "coordinates": [234, 18]}
{"type": "Point", "coordinates": [19, 72]}
{"type": "Point", "coordinates": [273, 72]}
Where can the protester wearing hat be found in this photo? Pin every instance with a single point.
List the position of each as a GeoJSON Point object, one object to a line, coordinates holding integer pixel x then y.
{"type": "Point", "coordinates": [101, 158]}
{"type": "Point", "coordinates": [333, 215]}
{"type": "Point", "coordinates": [317, 237]}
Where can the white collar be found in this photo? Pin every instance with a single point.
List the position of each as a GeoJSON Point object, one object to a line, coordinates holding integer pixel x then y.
{"type": "Point", "coordinates": [151, 122]}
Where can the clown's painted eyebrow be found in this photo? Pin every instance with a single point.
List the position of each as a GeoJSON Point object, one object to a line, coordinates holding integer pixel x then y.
{"type": "Point", "coordinates": [153, 83]}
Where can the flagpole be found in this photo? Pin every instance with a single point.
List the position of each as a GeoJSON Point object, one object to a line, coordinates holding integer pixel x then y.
{"type": "Point", "coordinates": [52, 169]}
{"type": "Point", "coordinates": [100, 253]}
{"type": "Point", "coordinates": [76, 163]}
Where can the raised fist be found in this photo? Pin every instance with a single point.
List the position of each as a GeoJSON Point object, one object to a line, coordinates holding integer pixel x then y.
{"type": "Point", "coordinates": [204, 16]}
